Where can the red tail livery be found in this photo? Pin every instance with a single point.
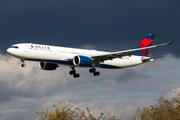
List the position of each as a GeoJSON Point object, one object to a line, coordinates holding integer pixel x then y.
{"type": "Point", "coordinates": [146, 42]}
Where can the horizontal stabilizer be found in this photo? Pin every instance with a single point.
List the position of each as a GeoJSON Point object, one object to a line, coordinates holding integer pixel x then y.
{"type": "Point", "coordinates": [151, 59]}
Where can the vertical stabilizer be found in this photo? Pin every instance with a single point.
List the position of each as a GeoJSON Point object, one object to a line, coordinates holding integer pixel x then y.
{"type": "Point", "coordinates": [146, 42]}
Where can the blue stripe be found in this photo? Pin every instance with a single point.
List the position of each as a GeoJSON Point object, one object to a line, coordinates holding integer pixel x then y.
{"type": "Point", "coordinates": [139, 53]}
{"type": "Point", "coordinates": [147, 49]}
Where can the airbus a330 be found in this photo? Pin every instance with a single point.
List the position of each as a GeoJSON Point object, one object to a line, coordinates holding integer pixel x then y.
{"type": "Point", "coordinates": [51, 56]}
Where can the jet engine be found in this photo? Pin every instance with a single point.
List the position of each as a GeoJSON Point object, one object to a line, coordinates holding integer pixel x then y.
{"type": "Point", "coordinates": [80, 60]}
{"type": "Point", "coordinates": [48, 66]}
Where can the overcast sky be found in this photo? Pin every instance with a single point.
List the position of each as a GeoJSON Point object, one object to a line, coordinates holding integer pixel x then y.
{"type": "Point", "coordinates": [109, 25]}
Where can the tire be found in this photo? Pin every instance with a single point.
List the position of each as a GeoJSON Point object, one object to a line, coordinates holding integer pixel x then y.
{"type": "Point", "coordinates": [94, 73]}
{"type": "Point", "coordinates": [77, 75]}
{"type": "Point", "coordinates": [74, 75]}
{"type": "Point", "coordinates": [91, 70]}
{"type": "Point", "coordinates": [72, 72]}
{"type": "Point", "coordinates": [97, 73]}
{"type": "Point", "coordinates": [23, 65]}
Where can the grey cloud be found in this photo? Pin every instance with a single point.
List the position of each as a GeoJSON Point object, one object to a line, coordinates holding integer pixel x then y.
{"type": "Point", "coordinates": [30, 89]}
{"type": "Point", "coordinates": [31, 82]}
{"type": "Point", "coordinates": [130, 75]}
{"type": "Point", "coordinates": [14, 116]}
{"type": "Point", "coordinates": [6, 92]}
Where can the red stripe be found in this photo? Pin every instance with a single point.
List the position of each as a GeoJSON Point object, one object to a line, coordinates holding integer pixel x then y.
{"type": "Point", "coordinates": [148, 50]}
{"type": "Point", "coordinates": [145, 43]}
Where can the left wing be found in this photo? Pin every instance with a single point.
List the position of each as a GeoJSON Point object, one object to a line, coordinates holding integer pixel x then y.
{"type": "Point", "coordinates": [119, 54]}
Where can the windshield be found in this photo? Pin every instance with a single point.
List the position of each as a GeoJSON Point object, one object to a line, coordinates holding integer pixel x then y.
{"type": "Point", "coordinates": [14, 47]}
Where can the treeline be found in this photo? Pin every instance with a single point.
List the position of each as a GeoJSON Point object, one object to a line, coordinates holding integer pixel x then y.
{"type": "Point", "coordinates": [165, 109]}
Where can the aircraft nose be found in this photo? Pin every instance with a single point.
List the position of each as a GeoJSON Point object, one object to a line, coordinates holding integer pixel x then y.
{"type": "Point", "coordinates": [9, 50]}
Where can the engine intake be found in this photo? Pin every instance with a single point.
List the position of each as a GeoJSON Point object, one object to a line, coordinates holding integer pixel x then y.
{"type": "Point", "coordinates": [48, 66]}
{"type": "Point", "coordinates": [82, 61]}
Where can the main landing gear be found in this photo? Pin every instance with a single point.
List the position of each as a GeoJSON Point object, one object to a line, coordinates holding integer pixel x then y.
{"type": "Point", "coordinates": [77, 75]}
{"type": "Point", "coordinates": [73, 72]}
{"type": "Point", "coordinates": [95, 73]}
{"type": "Point", "coordinates": [23, 63]}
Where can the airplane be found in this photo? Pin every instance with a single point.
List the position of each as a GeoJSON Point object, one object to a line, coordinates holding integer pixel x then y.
{"type": "Point", "coordinates": [51, 56]}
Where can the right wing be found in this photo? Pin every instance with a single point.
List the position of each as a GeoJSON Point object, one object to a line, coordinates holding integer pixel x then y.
{"type": "Point", "coordinates": [119, 54]}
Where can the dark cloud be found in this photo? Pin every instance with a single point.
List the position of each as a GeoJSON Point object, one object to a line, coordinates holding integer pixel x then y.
{"type": "Point", "coordinates": [108, 25]}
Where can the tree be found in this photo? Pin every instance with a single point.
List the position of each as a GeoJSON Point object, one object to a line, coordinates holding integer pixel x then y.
{"type": "Point", "coordinates": [165, 109]}
{"type": "Point", "coordinates": [66, 111]}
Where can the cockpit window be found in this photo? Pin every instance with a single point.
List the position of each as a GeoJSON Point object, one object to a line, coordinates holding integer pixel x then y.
{"type": "Point", "coordinates": [14, 47]}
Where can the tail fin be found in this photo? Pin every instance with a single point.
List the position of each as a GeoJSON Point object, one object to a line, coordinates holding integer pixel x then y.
{"type": "Point", "coordinates": [146, 42]}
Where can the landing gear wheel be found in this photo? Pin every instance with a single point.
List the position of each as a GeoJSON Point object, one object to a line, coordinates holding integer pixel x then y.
{"type": "Point", "coordinates": [91, 70]}
{"type": "Point", "coordinates": [96, 73]}
{"type": "Point", "coordinates": [23, 65]}
{"type": "Point", "coordinates": [72, 72]}
{"type": "Point", "coordinates": [76, 75]}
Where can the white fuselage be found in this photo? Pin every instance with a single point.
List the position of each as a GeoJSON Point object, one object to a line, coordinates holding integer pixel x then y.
{"type": "Point", "coordinates": [60, 55]}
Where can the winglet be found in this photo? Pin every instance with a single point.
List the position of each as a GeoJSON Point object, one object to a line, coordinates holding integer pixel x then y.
{"type": "Point", "coordinates": [165, 44]}
{"type": "Point", "coordinates": [170, 42]}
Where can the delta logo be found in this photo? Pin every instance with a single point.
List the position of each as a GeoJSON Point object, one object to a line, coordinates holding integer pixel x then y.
{"type": "Point", "coordinates": [39, 47]}
{"type": "Point", "coordinates": [32, 46]}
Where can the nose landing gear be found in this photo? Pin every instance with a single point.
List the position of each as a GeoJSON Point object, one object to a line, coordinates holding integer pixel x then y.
{"type": "Point", "coordinates": [23, 63]}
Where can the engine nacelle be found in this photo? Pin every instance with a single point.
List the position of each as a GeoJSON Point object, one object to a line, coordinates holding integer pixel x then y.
{"type": "Point", "coordinates": [48, 66]}
{"type": "Point", "coordinates": [82, 61]}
